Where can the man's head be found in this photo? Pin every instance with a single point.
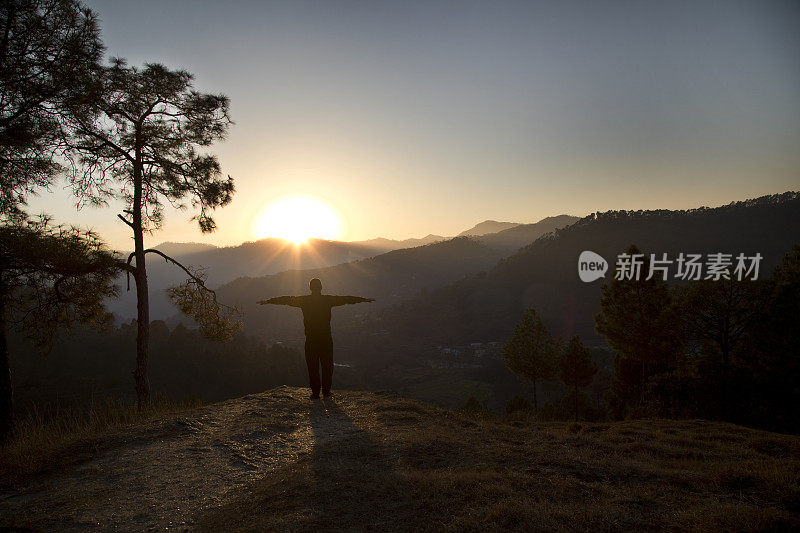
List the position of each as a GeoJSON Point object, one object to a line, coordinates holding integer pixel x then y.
{"type": "Point", "coordinates": [315, 285]}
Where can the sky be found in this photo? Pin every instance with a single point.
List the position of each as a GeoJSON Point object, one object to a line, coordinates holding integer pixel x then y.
{"type": "Point", "coordinates": [411, 118]}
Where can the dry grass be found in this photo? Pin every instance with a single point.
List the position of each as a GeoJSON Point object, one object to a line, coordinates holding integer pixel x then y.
{"type": "Point", "coordinates": [374, 461]}
{"type": "Point", "coordinates": [416, 467]}
{"type": "Point", "coordinates": [47, 439]}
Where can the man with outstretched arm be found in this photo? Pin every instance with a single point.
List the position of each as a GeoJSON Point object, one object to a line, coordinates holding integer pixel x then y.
{"type": "Point", "coordinates": [316, 309]}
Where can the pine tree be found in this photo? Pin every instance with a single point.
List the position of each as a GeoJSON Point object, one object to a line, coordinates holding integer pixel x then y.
{"type": "Point", "coordinates": [532, 352]}
{"type": "Point", "coordinates": [49, 52]}
{"type": "Point", "coordinates": [639, 320]}
{"type": "Point", "coordinates": [50, 277]}
{"type": "Point", "coordinates": [577, 368]}
{"type": "Point", "coordinates": [143, 139]}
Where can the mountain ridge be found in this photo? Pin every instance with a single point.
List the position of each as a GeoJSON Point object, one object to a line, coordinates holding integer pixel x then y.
{"type": "Point", "coordinates": [394, 244]}
{"type": "Point", "coordinates": [390, 278]}
{"type": "Point", "coordinates": [271, 256]}
{"type": "Point", "coordinates": [487, 226]}
{"type": "Point", "coordinates": [543, 274]}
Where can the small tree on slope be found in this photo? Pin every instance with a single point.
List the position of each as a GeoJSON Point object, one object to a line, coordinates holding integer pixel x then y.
{"type": "Point", "coordinates": [531, 351]}
{"type": "Point", "coordinates": [577, 368]}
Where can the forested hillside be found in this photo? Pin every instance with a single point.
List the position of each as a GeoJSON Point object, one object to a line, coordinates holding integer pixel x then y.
{"type": "Point", "coordinates": [543, 275]}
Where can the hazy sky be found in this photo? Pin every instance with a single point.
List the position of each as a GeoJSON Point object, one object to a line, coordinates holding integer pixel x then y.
{"type": "Point", "coordinates": [427, 117]}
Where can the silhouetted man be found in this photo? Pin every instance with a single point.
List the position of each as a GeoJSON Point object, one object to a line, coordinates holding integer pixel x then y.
{"type": "Point", "coordinates": [317, 323]}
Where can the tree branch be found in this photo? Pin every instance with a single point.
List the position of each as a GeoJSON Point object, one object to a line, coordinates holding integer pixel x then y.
{"type": "Point", "coordinates": [129, 269]}
{"type": "Point", "coordinates": [56, 285]}
{"type": "Point", "coordinates": [125, 220]}
{"type": "Point", "coordinates": [188, 272]}
{"type": "Point", "coordinates": [105, 141]}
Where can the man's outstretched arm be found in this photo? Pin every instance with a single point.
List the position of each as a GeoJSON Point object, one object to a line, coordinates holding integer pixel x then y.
{"type": "Point", "coordinates": [294, 301]}
{"type": "Point", "coordinates": [344, 300]}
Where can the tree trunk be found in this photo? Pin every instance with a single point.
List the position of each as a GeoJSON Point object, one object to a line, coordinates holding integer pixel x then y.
{"type": "Point", "coordinates": [535, 401]}
{"type": "Point", "coordinates": [576, 402]}
{"type": "Point", "coordinates": [142, 296]}
{"type": "Point", "coordinates": [142, 334]}
{"type": "Point", "coordinates": [726, 411]}
{"type": "Point", "coordinates": [641, 385]}
{"type": "Point", "coordinates": [723, 411]}
{"type": "Point", "coordinates": [6, 389]}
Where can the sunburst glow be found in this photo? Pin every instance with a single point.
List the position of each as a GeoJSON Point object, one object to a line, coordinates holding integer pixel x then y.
{"type": "Point", "coordinates": [299, 218]}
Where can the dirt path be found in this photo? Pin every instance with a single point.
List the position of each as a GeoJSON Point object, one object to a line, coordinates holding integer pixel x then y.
{"type": "Point", "coordinates": [167, 473]}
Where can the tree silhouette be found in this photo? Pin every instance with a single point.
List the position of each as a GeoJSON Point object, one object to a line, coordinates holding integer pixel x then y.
{"type": "Point", "coordinates": [638, 319]}
{"type": "Point", "coordinates": [50, 277]}
{"type": "Point", "coordinates": [141, 139]}
{"type": "Point", "coordinates": [784, 312]}
{"type": "Point", "coordinates": [768, 353]}
{"type": "Point", "coordinates": [531, 351]}
{"type": "Point", "coordinates": [721, 312]}
{"type": "Point", "coordinates": [49, 50]}
{"type": "Point", "coordinates": [577, 367]}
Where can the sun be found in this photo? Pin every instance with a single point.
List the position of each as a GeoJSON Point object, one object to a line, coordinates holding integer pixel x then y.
{"type": "Point", "coordinates": [299, 218]}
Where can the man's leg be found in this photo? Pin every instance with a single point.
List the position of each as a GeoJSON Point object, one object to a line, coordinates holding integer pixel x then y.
{"type": "Point", "coordinates": [312, 361]}
{"type": "Point", "coordinates": [326, 359]}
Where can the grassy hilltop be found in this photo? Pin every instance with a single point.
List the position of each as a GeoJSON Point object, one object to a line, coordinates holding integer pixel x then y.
{"type": "Point", "coordinates": [276, 460]}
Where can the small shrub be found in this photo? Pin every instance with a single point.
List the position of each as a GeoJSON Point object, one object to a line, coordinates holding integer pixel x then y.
{"type": "Point", "coordinates": [565, 409]}
{"type": "Point", "coordinates": [474, 408]}
{"type": "Point", "coordinates": [517, 403]}
{"type": "Point", "coordinates": [547, 412]}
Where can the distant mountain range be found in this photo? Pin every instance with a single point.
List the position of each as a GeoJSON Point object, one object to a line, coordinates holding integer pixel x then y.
{"type": "Point", "coordinates": [184, 248]}
{"type": "Point", "coordinates": [390, 278]}
{"type": "Point", "coordinates": [466, 290]}
{"type": "Point", "coordinates": [391, 244]}
{"type": "Point", "coordinates": [224, 264]}
{"type": "Point", "coordinates": [520, 235]}
{"type": "Point", "coordinates": [270, 256]}
{"type": "Point", "coordinates": [487, 226]}
{"type": "Point", "coordinates": [543, 275]}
